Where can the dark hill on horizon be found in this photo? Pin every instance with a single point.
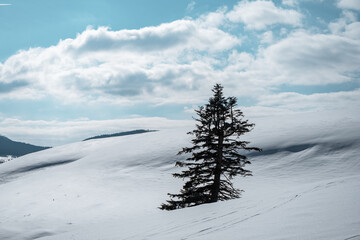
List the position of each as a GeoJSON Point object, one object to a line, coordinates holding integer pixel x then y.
{"type": "Point", "coordinates": [120, 134]}
{"type": "Point", "coordinates": [17, 149]}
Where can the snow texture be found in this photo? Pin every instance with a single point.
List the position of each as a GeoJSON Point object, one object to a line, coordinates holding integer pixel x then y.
{"type": "Point", "coordinates": [306, 185]}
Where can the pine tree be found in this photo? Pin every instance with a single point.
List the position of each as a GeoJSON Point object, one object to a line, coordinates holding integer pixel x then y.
{"type": "Point", "coordinates": [214, 158]}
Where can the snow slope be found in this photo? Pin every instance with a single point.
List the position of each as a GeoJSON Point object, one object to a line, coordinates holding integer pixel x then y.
{"type": "Point", "coordinates": [306, 185]}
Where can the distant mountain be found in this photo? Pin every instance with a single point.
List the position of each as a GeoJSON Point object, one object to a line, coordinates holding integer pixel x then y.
{"type": "Point", "coordinates": [121, 134]}
{"type": "Point", "coordinates": [17, 149]}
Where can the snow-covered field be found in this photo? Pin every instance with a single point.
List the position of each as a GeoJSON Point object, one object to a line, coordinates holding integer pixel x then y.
{"type": "Point", "coordinates": [6, 159]}
{"type": "Point", "coordinates": [306, 185]}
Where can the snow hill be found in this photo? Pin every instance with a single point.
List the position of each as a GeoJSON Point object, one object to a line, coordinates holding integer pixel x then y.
{"type": "Point", "coordinates": [306, 185]}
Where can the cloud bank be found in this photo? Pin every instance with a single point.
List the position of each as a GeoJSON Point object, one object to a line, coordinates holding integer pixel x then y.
{"type": "Point", "coordinates": [178, 62]}
{"type": "Point", "coordinates": [52, 133]}
{"type": "Point", "coordinates": [157, 61]}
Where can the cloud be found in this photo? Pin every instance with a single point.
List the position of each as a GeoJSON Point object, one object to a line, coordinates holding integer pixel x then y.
{"type": "Point", "coordinates": [52, 133]}
{"type": "Point", "coordinates": [352, 30]}
{"type": "Point", "coordinates": [165, 36]}
{"type": "Point", "coordinates": [8, 87]}
{"type": "Point", "coordinates": [200, 35]}
{"type": "Point", "coordinates": [178, 62]}
{"type": "Point", "coordinates": [338, 26]}
{"type": "Point", "coordinates": [260, 14]}
{"type": "Point", "coordinates": [291, 3]}
{"type": "Point", "coordinates": [349, 4]}
{"type": "Point", "coordinates": [190, 7]}
{"type": "Point", "coordinates": [267, 37]}
{"type": "Point", "coordinates": [292, 101]}
{"type": "Point", "coordinates": [5, 4]}
{"type": "Point", "coordinates": [154, 62]}
{"type": "Point", "coordinates": [308, 59]}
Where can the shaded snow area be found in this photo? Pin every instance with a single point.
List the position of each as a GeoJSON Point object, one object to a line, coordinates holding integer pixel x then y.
{"type": "Point", "coordinates": [306, 185]}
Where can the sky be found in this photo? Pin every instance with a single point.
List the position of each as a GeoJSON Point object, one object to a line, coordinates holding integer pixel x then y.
{"type": "Point", "coordinates": [73, 69]}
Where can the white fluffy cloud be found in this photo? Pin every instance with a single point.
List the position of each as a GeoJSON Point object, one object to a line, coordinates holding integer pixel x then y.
{"type": "Point", "coordinates": [349, 4]}
{"type": "Point", "coordinates": [153, 61]}
{"type": "Point", "coordinates": [352, 30]}
{"type": "Point", "coordinates": [309, 59]}
{"type": "Point", "coordinates": [267, 37]}
{"type": "Point", "coordinates": [340, 24]}
{"type": "Point", "coordinates": [260, 14]}
{"type": "Point", "coordinates": [300, 59]}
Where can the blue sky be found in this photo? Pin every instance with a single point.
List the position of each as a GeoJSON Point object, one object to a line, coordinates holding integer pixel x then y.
{"type": "Point", "coordinates": [73, 63]}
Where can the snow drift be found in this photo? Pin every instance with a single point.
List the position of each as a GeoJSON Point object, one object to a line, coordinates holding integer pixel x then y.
{"type": "Point", "coordinates": [305, 186]}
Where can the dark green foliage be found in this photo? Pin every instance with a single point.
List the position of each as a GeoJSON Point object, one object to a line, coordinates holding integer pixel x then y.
{"type": "Point", "coordinates": [214, 158]}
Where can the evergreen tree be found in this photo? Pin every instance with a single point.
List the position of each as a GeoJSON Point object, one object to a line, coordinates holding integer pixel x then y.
{"type": "Point", "coordinates": [214, 158]}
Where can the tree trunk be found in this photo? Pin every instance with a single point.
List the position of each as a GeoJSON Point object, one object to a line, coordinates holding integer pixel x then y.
{"type": "Point", "coordinates": [217, 173]}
